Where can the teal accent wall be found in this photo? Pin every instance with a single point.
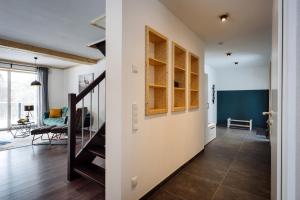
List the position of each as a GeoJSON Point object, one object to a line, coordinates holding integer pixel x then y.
{"type": "Point", "coordinates": [243, 104]}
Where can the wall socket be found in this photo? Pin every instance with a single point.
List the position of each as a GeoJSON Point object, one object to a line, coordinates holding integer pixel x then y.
{"type": "Point", "coordinates": [134, 117]}
{"type": "Point", "coordinates": [134, 182]}
{"type": "Point", "coordinates": [134, 69]}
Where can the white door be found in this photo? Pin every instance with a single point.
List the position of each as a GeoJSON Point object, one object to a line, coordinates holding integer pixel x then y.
{"type": "Point", "coordinates": [275, 101]}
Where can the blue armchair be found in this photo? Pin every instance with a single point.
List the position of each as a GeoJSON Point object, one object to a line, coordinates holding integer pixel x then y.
{"type": "Point", "coordinates": [56, 121]}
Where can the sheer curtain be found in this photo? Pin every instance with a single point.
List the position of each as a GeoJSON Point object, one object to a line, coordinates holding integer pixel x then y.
{"type": "Point", "coordinates": [43, 103]}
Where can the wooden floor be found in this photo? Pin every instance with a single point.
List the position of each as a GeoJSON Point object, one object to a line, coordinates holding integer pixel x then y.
{"type": "Point", "coordinates": [39, 173]}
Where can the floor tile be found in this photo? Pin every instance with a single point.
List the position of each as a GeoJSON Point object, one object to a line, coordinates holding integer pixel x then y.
{"type": "Point", "coordinates": [227, 193]}
{"type": "Point", "coordinates": [164, 195]}
{"type": "Point", "coordinates": [251, 183]}
{"type": "Point", "coordinates": [211, 170]}
{"type": "Point", "coordinates": [191, 187]}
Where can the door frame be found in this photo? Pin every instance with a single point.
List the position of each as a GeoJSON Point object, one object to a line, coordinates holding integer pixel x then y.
{"type": "Point", "coordinates": [288, 132]}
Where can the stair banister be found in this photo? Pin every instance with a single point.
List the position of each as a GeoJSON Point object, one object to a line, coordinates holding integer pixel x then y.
{"type": "Point", "coordinates": [73, 100]}
{"type": "Point", "coordinates": [90, 87]}
{"type": "Point", "coordinates": [71, 135]}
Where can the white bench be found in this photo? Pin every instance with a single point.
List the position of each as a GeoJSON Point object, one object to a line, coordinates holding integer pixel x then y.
{"type": "Point", "coordinates": [239, 123]}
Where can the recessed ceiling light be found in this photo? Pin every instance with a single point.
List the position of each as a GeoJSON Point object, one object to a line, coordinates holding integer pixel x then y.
{"type": "Point", "coordinates": [228, 54]}
{"type": "Point", "coordinates": [224, 17]}
{"type": "Point", "coordinates": [236, 63]}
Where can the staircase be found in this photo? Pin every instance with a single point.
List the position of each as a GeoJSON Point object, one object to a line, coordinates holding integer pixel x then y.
{"type": "Point", "coordinates": [85, 145]}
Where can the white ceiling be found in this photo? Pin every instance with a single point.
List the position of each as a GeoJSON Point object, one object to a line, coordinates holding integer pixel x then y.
{"type": "Point", "coordinates": [247, 33]}
{"type": "Point", "coordinates": [62, 25]}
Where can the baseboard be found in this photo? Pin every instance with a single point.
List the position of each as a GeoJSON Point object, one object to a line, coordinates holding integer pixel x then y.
{"type": "Point", "coordinates": [153, 190]}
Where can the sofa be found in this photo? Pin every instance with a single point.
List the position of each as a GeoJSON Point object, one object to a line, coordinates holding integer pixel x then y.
{"type": "Point", "coordinates": [59, 121]}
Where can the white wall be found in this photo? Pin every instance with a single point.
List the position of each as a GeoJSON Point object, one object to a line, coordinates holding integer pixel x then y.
{"type": "Point", "coordinates": [243, 78]}
{"type": "Point", "coordinates": [71, 77]}
{"type": "Point", "coordinates": [114, 100]}
{"type": "Point", "coordinates": [164, 142]}
{"type": "Point", "coordinates": [212, 80]}
{"type": "Point", "coordinates": [64, 81]}
{"type": "Point", "coordinates": [56, 88]}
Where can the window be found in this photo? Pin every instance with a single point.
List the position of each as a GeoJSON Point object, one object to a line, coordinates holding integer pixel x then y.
{"type": "Point", "coordinates": [15, 93]}
{"type": "Point", "coordinates": [3, 99]}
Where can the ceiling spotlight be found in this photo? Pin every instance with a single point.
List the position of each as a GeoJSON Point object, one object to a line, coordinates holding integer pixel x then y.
{"type": "Point", "coordinates": [224, 17]}
{"type": "Point", "coordinates": [228, 54]}
{"type": "Point", "coordinates": [236, 63]}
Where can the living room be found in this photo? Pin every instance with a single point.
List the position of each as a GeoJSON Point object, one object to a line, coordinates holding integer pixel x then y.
{"type": "Point", "coordinates": [39, 68]}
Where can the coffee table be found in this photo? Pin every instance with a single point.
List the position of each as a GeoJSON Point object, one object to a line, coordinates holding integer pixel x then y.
{"type": "Point", "coordinates": [21, 130]}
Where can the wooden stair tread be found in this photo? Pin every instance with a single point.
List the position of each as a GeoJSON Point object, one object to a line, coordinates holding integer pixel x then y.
{"type": "Point", "coordinates": [97, 151]}
{"type": "Point", "coordinates": [91, 172]}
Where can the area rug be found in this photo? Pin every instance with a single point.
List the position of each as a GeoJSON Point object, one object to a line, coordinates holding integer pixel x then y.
{"type": "Point", "coordinates": [12, 143]}
{"type": "Point", "coordinates": [4, 143]}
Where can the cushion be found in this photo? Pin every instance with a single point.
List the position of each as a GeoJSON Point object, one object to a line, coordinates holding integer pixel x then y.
{"type": "Point", "coordinates": [55, 113]}
{"type": "Point", "coordinates": [64, 111]}
{"type": "Point", "coordinates": [54, 121]}
{"type": "Point", "coordinates": [41, 130]}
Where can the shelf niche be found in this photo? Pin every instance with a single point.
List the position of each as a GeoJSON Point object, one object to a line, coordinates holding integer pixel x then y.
{"type": "Point", "coordinates": [156, 72]}
{"type": "Point", "coordinates": [179, 57]}
{"type": "Point", "coordinates": [193, 81]}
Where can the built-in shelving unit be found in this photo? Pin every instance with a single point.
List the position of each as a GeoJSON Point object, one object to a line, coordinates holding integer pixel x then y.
{"type": "Point", "coordinates": [156, 72]}
{"type": "Point", "coordinates": [193, 81]}
{"type": "Point", "coordinates": [179, 68]}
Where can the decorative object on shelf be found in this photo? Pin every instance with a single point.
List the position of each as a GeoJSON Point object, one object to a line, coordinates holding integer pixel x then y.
{"type": "Point", "coordinates": [213, 94]}
{"type": "Point", "coordinates": [179, 56]}
{"type": "Point", "coordinates": [194, 76]}
{"type": "Point", "coordinates": [28, 109]}
{"type": "Point", "coordinates": [35, 82]}
{"type": "Point", "coordinates": [156, 85]}
{"type": "Point", "coordinates": [84, 80]}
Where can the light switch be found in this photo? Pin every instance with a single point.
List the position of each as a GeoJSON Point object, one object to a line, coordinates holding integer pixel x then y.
{"type": "Point", "coordinates": [134, 117]}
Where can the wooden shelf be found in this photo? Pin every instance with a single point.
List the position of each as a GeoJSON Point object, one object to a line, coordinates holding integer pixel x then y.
{"type": "Point", "coordinates": [157, 86]}
{"type": "Point", "coordinates": [194, 74]}
{"type": "Point", "coordinates": [156, 62]}
{"type": "Point", "coordinates": [179, 57]}
{"type": "Point", "coordinates": [193, 81]}
{"type": "Point", "coordinates": [193, 107]}
{"type": "Point", "coordinates": [157, 111]}
{"type": "Point", "coordinates": [156, 73]}
{"type": "Point", "coordinates": [178, 109]}
{"type": "Point", "coordinates": [179, 68]}
{"type": "Point", "coordinates": [177, 88]}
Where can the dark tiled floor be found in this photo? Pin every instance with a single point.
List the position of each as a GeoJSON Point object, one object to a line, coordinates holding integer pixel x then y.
{"type": "Point", "coordinates": [234, 166]}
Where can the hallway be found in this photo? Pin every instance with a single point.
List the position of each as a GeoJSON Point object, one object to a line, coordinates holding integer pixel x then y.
{"type": "Point", "coordinates": [234, 166]}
